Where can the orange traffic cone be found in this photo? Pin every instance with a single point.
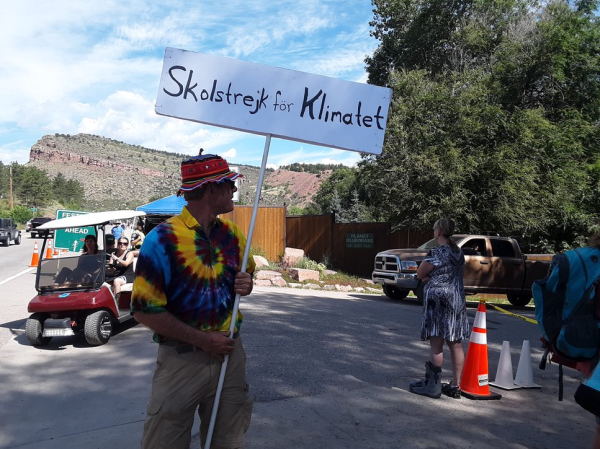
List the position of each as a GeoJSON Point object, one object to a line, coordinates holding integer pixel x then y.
{"type": "Point", "coordinates": [474, 381]}
{"type": "Point", "coordinates": [55, 253]}
{"type": "Point", "coordinates": [35, 258]}
{"type": "Point", "coordinates": [49, 250]}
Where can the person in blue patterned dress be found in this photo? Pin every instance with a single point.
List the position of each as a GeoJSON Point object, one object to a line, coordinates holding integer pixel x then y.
{"type": "Point", "coordinates": [444, 311]}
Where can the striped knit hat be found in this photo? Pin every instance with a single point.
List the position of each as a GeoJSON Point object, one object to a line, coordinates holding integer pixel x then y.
{"type": "Point", "coordinates": [202, 169]}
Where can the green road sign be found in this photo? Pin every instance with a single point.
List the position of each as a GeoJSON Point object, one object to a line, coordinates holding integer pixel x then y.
{"type": "Point", "coordinates": [71, 238]}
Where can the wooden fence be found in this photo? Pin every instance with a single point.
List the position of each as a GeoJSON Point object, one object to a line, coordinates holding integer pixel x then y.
{"type": "Point", "coordinates": [269, 230]}
{"type": "Point", "coordinates": [349, 247]}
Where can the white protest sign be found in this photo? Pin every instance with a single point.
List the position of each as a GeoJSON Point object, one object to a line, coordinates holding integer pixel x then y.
{"type": "Point", "coordinates": [272, 101]}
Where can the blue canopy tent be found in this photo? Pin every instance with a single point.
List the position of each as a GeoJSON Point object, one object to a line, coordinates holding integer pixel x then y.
{"type": "Point", "coordinates": [171, 205]}
{"type": "Point", "coordinates": [159, 210]}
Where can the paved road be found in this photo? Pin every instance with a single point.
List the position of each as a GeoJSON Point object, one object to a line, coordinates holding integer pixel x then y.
{"type": "Point", "coordinates": [15, 293]}
{"type": "Point", "coordinates": [329, 370]}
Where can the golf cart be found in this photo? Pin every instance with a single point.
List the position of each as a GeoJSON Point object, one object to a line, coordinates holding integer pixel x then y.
{"type": "Point", "coordinates": [73, 294]}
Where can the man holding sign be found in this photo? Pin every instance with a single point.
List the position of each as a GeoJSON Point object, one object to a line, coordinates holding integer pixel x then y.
{"type": "Point", "coordinates": [187, 276]}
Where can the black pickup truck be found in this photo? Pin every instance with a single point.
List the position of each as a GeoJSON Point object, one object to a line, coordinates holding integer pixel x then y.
{"type": "Point", "coordinates": [9, 231]}
{"type": "Point", "coordinates": [38, 221]}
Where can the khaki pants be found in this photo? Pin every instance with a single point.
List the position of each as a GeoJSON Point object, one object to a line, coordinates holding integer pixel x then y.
{"type": "Point", "coordinates": [184, 383]}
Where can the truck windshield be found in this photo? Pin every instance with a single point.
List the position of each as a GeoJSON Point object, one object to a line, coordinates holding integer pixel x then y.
{"type": "Point", "coordinates": [429, 244]}
{"type": "Point", "coordinates": [433, 244]}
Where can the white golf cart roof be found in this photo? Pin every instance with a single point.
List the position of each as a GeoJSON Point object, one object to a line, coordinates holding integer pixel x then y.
{"type": "Point", "coordinates": [91, 219]}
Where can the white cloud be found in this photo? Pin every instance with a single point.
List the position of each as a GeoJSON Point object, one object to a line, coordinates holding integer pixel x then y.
{"type": "Point", "coordinates": [14, 152]}
{"type": "Point", "coordinates": [130, 117]}
{"type": "Point", "coordinates": [229, 154]}
{"type": "Point", "coordinates": [94, 67]}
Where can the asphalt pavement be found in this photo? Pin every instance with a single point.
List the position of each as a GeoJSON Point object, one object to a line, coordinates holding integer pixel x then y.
{"type": "Point", "coordinates": [327, 369]}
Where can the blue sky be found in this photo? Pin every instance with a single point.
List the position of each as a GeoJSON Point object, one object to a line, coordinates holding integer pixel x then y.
{"type": "Point", "coordinates": [94, 67]}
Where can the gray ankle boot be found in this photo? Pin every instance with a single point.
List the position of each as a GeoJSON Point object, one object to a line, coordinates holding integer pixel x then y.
{"type": "Point", "coordinates": [430, 386]}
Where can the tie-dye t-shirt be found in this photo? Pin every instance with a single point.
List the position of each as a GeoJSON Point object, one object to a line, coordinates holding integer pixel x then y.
{"type": "Point", "coordinates": [183, 271]}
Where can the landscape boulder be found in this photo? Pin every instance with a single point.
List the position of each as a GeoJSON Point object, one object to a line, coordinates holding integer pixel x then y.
{"type": "Point", "coordinates": [343, 288]}
{"type": "Point", "coordinates": [266, 274]}
{"type": "Point", "coordinates": [301, 274]}
{"type": "Point", "coordinates": [291, 256]}
{"type": "Point", "coordinates": [262, 283]}
{"type": "Point", "coordinates": [278, 281]}
{"type": "Point", "coordinates": [260, 261]}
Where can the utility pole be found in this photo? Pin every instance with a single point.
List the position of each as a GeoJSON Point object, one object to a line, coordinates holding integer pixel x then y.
{"type": "Point", "coordinates": [10, 199]}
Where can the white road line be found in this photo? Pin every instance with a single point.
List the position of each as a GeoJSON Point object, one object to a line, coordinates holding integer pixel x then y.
{"type": "Point", "coordinates": [17, 275]}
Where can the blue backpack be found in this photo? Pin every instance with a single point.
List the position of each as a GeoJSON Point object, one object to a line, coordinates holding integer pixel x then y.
{"type": "Point", "coordinates": [565, 309]}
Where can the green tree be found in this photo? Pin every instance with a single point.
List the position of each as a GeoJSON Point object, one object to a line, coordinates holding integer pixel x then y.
{"type": "Point", "coordinates": [69, 192]}
{"type": "Point", "coordinates": [341, 183]}
{"type": "Point", "coordinates": [358, 212]}
{"type": "Point", "coordinates": [494, 119]}
{"type": "Point", "coordinates": [34, 187]}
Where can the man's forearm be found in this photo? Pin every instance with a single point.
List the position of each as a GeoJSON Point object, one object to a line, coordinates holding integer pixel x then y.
{"type": "Point", "coordinates": [214, 343]}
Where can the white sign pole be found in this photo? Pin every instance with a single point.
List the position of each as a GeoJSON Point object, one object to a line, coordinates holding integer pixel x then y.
{"type": "Point", "coordinates": [236, 304]}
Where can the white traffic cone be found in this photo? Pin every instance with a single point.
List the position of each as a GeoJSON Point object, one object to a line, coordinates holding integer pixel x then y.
{"type": "Point", "coordinates": [524, 376]}
{"type": "Point", "coordinates": [504, 372]}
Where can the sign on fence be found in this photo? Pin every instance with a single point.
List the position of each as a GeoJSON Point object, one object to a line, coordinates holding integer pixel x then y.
{"type": "Point", "coordinates": [360, 240]}
{"type": "Point", "coordinates": [269, 100]}
{"type": "Point", "coordinates": [71, 238]}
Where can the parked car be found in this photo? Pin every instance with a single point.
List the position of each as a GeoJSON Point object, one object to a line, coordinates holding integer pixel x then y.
{"type": "Point", "coordinates": [38, 221]}
{"type": "Point", "coordinates": [28, 226]}
{"type": "Point", "coordinates": [9, 231]}
{"type": "Point", "coordinates": [492, 265]}
{"type": "Point", "coordinates": [67, 303]}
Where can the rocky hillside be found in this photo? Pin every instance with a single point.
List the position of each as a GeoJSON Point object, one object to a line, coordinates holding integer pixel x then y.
{"type": "Point", "coordinates": [116, 175]}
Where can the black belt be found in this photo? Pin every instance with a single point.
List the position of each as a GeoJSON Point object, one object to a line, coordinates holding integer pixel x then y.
{"type": "Point", "coordinates": [183, 348]}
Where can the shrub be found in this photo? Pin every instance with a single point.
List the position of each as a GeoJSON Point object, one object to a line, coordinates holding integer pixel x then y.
{"type": "Point", "coordinates": [21, 214]}
{"type": "Point", "coordinates": [310, 264]}
{"type": "Point", "coordinates": [257, 250]}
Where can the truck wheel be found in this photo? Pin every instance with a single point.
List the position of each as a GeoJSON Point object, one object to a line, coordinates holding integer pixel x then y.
{"type": "Point", "coordinates": [518, 300]}
{"type": "Point", "coordinates": [98, 328]}
{"type": "Point", "coordinates": [394, 292]}
{"type": "Point", "coordinates": [18, 240]}
{"type": "Point", "coordinates": [34, 328]}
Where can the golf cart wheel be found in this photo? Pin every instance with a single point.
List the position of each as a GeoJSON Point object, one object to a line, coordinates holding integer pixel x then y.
{"type": "Point", "coordinates": [98, 328]}
{"type": "Point", "coordinates": [394, 292]}
{"type": "Point", "coordinates": [18, 240]}
{"type": "Point", "coordinates": [34, 328]}
{"type": "Point", "coordinates": [518, 300]}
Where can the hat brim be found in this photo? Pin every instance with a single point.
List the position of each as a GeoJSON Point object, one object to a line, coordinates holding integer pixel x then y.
{"type": "Point", "coordinates": [217, 179]}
